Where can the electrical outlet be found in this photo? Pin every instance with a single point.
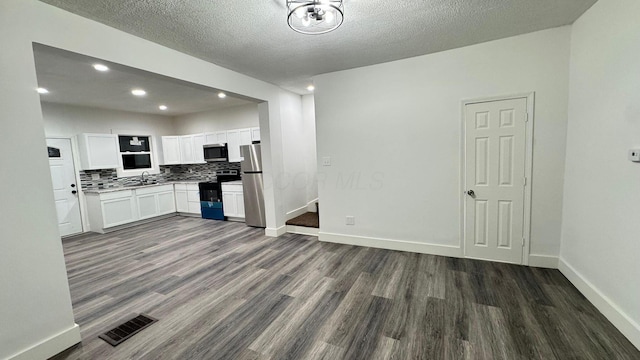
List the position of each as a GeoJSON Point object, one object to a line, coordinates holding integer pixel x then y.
{"type": "Point", "coordinates": [167, 170]}
{"type": "Point", "coordinates": [326, 161]}
{"type": "Point", "coordinates": [634, 155]}
{"type": "Point", "coordinates": [95, 176]}
{"type": "Point", "coordinates": [351, 220]}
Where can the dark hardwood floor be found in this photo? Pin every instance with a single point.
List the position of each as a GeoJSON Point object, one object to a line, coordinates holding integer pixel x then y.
{"type": "Point", "coordinates": [222, 290]}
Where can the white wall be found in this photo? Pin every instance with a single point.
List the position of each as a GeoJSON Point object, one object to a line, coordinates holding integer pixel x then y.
{"type": "Point", "coordinates": [309, 145]}
{"type": "Point", "coordinates": [601, 218]}
{"type": "Point", "coordinates": [67, 121]}
{"type": "Point", "coordinates": [237, 117]}
{"type": "Point", "coordinates": [298, 149]}
{"type": "Point", "coordinates": [393, 132]}
{"type": "Point", "coordinates": [36, 315]}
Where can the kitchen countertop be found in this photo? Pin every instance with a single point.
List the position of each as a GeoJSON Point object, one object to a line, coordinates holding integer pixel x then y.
{"type": "Point", "coordinates": [122, 188]}
{"type": "Point", "coordinates": [235, 182]}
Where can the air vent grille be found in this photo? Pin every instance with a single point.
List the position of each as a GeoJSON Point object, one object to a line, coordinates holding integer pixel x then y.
{"type": "Point", "coordinates": [127, 329]}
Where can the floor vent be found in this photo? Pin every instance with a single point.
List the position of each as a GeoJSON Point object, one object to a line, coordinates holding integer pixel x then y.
{"type": "Point", "coordinates": [126, 330]}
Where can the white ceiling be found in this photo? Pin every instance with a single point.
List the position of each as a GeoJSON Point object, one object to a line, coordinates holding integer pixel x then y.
{"type": "Point", "coordinates": [72, 80]}
{"type": "Point", "coordinates": [252, 36]}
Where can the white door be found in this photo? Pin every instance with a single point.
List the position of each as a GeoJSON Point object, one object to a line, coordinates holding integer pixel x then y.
{"type": "Point", "coordinates": [171, 149]}
{"type": "Point", "coordinates": [186, 149]}
{"type": "Point", "coordinates": [495, 143]}
{"type": "Point", "coordinates": [65, 189]}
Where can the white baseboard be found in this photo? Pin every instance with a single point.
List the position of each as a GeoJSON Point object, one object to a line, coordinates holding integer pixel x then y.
{"type": "Point", "coordinates": [401, 245]}
{"type": "Point", "coordinates": [51, 346]}
{"type": "Point", "coordinates": [627, 326]}
{"type": "Point", "coordinates": [303, 230]}
{"type": "Point", "coordinates": [271, 232]}
{"type": "Point", "coordinates": [301, 210]}
{"type": "Point", "coordinates": [543, 261]}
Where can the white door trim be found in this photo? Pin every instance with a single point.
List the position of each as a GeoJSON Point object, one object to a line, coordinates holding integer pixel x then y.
{"type": "Point", "coordinates": [76, 168]}
{"type": "Point", "coordinates": [530, 96]}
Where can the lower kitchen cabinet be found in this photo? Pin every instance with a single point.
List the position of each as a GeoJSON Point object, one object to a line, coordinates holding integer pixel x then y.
{"type": "Point", "coordinates": [233, 199]}
{"type": "Point", "coordinates": [187, 198]}
{"type": "Point", "coordinates": [115, 208]}
{"type": "Point", "coordinates": [155, 201]}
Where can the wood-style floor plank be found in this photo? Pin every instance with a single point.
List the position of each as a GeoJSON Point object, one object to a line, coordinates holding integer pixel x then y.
{"type": "Point", "coordinates": [222, 290]}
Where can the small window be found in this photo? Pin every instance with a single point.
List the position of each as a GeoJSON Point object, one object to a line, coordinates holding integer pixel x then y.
{"type": "Point", "coordinates": [53, 152]}
{"type": "Point", "coordinates": [135, 153]}
{"type": "Point", "coordinates": [134, 143]}
{"type": "Point", "coordinates": [136, 161]}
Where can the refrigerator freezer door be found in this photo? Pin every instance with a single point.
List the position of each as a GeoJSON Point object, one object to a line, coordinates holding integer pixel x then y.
{"type": "Point", "coordinates": [253, 189]}
{"type": "Point", "coordinates": [252, 158]}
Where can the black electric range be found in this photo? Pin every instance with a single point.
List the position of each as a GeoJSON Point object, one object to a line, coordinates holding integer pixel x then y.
{"type": "Point", "coordinates": [211, 194]}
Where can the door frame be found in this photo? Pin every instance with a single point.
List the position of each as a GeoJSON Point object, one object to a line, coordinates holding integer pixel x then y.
{"type": "Point", "coordinates": [81, 200]}
{"type": "Point", "coordinates": [528, 170]}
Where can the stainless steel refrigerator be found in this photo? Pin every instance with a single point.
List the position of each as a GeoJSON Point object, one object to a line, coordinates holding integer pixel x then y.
{"type": "Point", "coordinates": [253, 185]}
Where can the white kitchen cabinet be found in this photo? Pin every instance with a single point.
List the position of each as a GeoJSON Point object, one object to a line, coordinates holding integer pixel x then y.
{"type": "Point", "coordinates": [182, 203]}
{"type": "Point", "coordinates": [187, 155]}
{"type": "Point", "coordinates": [245, 136]}
{"type": "Point", "coordinates": [193, 199]}
{"type": "Point", "coordinates": [120, 207]}
{"type": "Point", "coordinates": [198, 152]}
{"type": "Point", "coordinates": [233, 145]}
{"type": "Point", "coordinates": [235, 139]}
{"type": "Point", "coordinates": [218, 137]}
{"type": "Point", "coordinates": [155, 201]}
{"type": "Point", "coordinates": [171, 150]}
{"type": "Point", "coordinates": [233, 199]}
{"type": "Point", "coordinates": [110, 209]}
{"type": "Point", "coordinates": [255, 134]}
{"type": "Point", "coordinates": [98, 151]}
{"type": "Point", "coordinates": [147, 206]}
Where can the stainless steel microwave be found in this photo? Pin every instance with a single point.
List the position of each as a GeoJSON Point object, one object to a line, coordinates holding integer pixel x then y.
{"type": "Point", "coordinates": [215, 152]}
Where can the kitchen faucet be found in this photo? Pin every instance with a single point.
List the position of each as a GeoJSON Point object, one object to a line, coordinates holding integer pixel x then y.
{"type": "Point", "coordinates": [142, 179]}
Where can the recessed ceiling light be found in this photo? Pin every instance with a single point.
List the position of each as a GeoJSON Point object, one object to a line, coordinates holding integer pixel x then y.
{"type": "Point", "coordinates": [138, 92]}
{"type": "Point", "coordinates": [222, 95]}
{"type": "Point", "coordinates": [311, 87]}
{"type": "Point", "coordinates": [41, 90]}
{"type": "Point", "coordinates": [163, 107]}
{"type": "Point", "coordinates": [100, 67]}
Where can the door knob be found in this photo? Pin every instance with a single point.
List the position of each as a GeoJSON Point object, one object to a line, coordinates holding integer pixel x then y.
{"type": "Point", "coordinates": [471, 193]}
{"type": "Point", "coordinates": [73, 185]}
{"type": "Point", "coordinates": [74, 192]}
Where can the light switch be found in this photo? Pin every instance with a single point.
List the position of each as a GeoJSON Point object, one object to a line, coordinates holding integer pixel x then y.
{"type": "Point", "coordinates": [326, 161]}
{"type": "Point", "coordinates": [351, 220]}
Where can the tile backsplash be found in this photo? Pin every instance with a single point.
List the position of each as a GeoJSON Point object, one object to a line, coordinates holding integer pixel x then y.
{"type": "Point", "coordinates": [108, 178]}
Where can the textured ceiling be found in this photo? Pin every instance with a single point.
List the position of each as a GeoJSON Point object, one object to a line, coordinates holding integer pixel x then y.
{"type": "Point", "coordinates": [72, 80]}
{"type": "Point", "coordinates": [252, 37]}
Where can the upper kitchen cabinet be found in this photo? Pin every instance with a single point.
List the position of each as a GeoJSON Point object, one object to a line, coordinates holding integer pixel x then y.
{"type": "Point", "coordinates": [198, 141]}
{"type": "Point", "coordinates": [171, 150]}
{"type": "Point", "coordinates": [255, 134]}
{"type": "Point", "coordinates": [98, 151]}
{"type": "Point", "coordinates": [186, 149]}
{"type": "Point", "coordinates": [218, 137]}
{"type": "Point", "coordinates": [235, 139]}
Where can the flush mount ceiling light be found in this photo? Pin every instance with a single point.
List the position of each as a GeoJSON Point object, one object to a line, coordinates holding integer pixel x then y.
{"type": "Point", "coordinates": [311, 87]}
{"type": "Point", "coordinates": [100, 67]}
{"type": "Point", "coordinates": [163, 107]}
{"type": "Point", "coordinates": [315, 16]}
{"type": "Point", "coordinates": [41, 90]}
{"type": "Point", "coordinates": [138, 92]}
{"type": "Point", "coordinates": [222, 95]}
